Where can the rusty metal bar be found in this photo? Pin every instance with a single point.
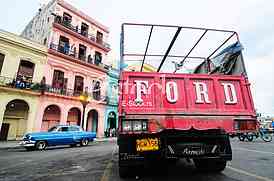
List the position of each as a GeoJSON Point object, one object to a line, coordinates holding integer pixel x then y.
{"type": "Point", "coordinates": [169, 48]}
{"type": "Point", "coordinates": [146, 48]}
{"type": "Point", "coordinates": [221, 45]}
{"type": "Point", "coordinates": [184, 27]}
{"type": "Point", "coordinates": [201, 37]}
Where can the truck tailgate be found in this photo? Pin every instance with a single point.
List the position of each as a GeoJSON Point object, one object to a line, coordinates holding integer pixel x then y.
{"type": "Point", "coordinates": [183, 101]}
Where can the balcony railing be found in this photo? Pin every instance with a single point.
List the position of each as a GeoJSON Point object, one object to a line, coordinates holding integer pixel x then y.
{"type": "Point", "coordinates": [67, 51]}
{"type": "Point", "coordinates": [59, 20]}
{"type": "Point", "coordinates": [73, 93]}
{"type": "Point", "coordinates": [18, 84]}
{"type": "Point", "coordinates": [38, 87]}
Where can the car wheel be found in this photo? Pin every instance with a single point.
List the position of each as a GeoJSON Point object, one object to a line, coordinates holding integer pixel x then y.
{"type": "Point", "coordinates": [84, 142]}
{"type": "Point", "coordinates": [41, 145]}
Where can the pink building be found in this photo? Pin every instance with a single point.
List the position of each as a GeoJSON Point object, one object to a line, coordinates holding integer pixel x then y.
{"type": "Point", "coordinates": [77, 55]}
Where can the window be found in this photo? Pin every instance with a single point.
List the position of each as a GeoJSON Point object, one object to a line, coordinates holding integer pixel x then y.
{"type": "Point", "coordinates": [78, 85]}
{"type": "Point", "coordinates": [73, 128]}
{"type": "Point", "coordinates": [84, 29]}
{"type": "Point", "coordinates": [99, 37]}
{"type": "Point", "coordinates": [63, 129]}
{"type": "Point", "coordinates": [82, 52]}
{"type": "Point", "coordinates": [63, 46]}
{"type": "Point", "coordinates": [67, 18]}
{"type": "Point", "coordinates": [98, 58]}
{"type": "Point", "coordinates": [58, 80]}
{"type": "Point", "coordinates": [25, 71]}
{"type": "Point", "coordinates": [96, 90]}
{"type": "Point", "coordinates": [52, 129]}
{"type": "Point", "coordinates": [2, 57]}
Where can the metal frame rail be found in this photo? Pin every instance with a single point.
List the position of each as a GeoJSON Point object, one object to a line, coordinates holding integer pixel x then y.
{"type": "Point", "coordinates": [179, 28]}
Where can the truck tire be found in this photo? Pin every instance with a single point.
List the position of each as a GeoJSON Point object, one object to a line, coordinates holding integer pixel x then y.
{"type": "Point", "coordinates": [210, 165]}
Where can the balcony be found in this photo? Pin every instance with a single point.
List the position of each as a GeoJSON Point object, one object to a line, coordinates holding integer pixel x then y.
{"type": "Point", "coordinates": [73, 93]}
{"type": "Point", "coordinates": [17, 84]}
{"type": "Point", "coordinates": [88, 37]}
{"type": "Point", "coordinates": [8, 82]}
{"type": "Point", "coordinates": [73, 55]}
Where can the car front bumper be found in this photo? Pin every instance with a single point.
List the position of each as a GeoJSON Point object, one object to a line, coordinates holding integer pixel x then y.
{"type": "Point", "coordinates": [28, 143]}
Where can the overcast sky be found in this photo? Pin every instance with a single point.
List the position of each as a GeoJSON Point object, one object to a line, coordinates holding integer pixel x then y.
{"type": "Point", "coordinates": [252, 19]}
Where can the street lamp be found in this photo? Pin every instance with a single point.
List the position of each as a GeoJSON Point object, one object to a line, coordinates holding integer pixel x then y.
{"type": "Point", "coordinates": [84, 99]}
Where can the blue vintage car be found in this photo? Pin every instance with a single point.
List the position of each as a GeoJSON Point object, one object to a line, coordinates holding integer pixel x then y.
{"type": "Point", "coordinates": [57, 135]}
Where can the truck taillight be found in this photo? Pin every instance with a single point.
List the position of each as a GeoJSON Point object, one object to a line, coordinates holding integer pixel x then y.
{"type": "Point", "coordinates": [134, 125]}
{"type": "Point", "coordinates": [245, 125]}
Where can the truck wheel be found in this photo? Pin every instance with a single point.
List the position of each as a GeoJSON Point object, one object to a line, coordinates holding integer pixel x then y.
{"type": "Point", "coordinates": [41, 145]}
{"type": "Point", "coordinates": [210, 165]}
{"type": "Point", "coordinates": [84, 142]}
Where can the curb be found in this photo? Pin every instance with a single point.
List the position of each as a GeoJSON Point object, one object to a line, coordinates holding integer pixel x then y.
{"type": "Point", "coordinates": [11, 148]}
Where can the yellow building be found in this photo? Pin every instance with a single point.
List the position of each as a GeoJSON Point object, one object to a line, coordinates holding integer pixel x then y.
{"type": "Point", "coordinates": [21, 67]}
{"type": "Point", "coordinates": [137, 67]}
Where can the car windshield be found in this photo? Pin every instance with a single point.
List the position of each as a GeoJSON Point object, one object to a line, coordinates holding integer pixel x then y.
{"type": "Point", "coordinates": [52, 129]}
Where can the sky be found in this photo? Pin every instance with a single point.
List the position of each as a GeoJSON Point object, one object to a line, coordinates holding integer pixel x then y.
{"type": "Point", "coordinates": [252, 19]}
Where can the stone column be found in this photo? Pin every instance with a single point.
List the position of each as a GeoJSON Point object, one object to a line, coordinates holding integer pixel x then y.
{"type": "Point", "coordinates": [31, 120]}
{"type": "Point", "coordinates": [39, 118]}
{"type": "Point", "coordinates": [85, 118]}
{"type": "Point", "coordinates": [100, 131]}
{"type": "Point", "coordinates": [64, 115]}
{"type": "Point", "coordinates": [2, 112]}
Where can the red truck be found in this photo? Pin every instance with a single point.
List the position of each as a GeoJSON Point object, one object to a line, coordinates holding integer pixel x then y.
{"type": "Point", "coordinates": [177, 114]}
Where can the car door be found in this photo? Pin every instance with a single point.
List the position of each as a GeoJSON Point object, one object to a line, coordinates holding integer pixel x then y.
{"type": "Point", "coordinates": [76, 134]}
{"type": "Point", "coordinates": [64, 136]}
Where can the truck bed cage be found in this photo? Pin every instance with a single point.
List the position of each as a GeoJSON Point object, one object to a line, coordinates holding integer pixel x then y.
{"type": "Point", "coordinates": [124, 54]}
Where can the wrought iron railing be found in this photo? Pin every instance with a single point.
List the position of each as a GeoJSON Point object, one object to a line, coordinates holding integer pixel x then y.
{"type": "Point", "coordinates": [38, 87]}
{"type": "Point", "coordinates": [74, 93]}
{"type": "Point", "coordinates": [68, 51]}
{"type": "Point", "coordinates": [59, 20]}
{"type": "Point", "coordinates": [19, 84]}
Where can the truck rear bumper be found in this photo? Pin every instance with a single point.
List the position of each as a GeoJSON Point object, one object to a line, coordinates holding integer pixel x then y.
{"type": "Point", "coordinates": [176, 144]}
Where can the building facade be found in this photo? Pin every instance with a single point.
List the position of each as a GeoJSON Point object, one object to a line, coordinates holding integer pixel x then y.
{"type": "Point", "coordinates": [111, 113]}
{"type": "Point", "coordinates": [22, 65]}
{"type": "Point", "coordinates": [76, 63]}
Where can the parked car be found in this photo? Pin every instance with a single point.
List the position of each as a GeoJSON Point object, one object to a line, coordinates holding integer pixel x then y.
{"type": "Point", "coordinates": [57, 135]}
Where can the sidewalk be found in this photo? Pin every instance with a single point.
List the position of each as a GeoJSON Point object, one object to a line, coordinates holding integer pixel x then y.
{"type": "Point", "coordinates": [9, 145]}
{"type": "Point", "coordinates": [5, 145]}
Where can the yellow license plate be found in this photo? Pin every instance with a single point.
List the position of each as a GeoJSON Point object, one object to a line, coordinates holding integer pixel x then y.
{"type": "Point", "coordinates": [147, 144]}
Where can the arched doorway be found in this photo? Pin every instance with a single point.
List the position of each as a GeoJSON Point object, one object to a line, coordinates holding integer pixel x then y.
{"type": "Point", "coordinates": [51, 117]}
{"type": "Point", "coordinates": [15, 120]}
{"type": "Point", "coordinates": [92, 121]}
{"type": "Point", "coordinates": [74, 116]}
{"type": "Point", "coordinates": [111, 120]}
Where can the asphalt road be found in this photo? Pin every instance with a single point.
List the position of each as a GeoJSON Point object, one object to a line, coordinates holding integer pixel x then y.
{"type": "Point", "coordinates": [251, 161]}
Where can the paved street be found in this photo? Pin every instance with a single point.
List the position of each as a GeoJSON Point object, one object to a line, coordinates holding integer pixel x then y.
{"type": "Point", "coordinates": [251, 161]}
